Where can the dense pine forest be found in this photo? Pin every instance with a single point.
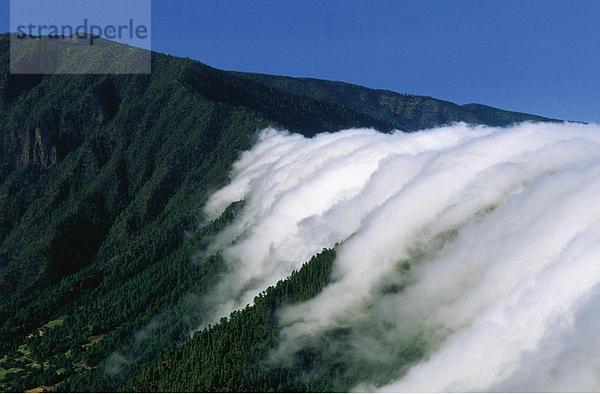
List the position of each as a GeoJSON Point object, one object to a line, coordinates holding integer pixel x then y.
{"type": "Point", "coordinates": [230, 356]}
{"type": "Point", "coordinates": [102, 182]}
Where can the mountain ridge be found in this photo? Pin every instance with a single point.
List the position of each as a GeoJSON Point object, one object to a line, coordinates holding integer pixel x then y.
{"type": "Point", "coordinates": [398, 104]}
{"type": "Point", "coordinates": [102, 181]}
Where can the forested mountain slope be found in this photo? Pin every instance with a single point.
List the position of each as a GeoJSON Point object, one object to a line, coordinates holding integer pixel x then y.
{"type": "Point", "coordinates": [403, 111]}
{"type": "Point", "coordinates": [101, 183]}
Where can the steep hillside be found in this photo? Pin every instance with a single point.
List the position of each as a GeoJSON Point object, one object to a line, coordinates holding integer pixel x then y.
{"type": "Point", "coordinates": [101, 181]}
{"type": "Point", "coordinates": [403, 111]}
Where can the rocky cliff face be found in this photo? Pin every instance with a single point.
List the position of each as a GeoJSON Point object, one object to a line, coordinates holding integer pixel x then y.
{"type": "Point", "coordinates": [38, 149]}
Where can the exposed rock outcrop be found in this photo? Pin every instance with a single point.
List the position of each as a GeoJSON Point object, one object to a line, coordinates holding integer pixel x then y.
{"type": "Point", "coordinates": [38, 150]}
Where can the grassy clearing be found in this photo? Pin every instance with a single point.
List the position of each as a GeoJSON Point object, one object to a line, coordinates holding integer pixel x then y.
{"type": "Point", "coordinates": [54, 323]}
{"type": "Point", "coordinates": [24, 350]}
{"type": "Point", "coordinates": [5, 372]}
{"type": "Point", "coordinates": [93, 340]}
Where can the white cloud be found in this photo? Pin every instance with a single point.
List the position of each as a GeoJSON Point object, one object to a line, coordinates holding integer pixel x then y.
{"type": "Point", "coordinates": [501, 227]}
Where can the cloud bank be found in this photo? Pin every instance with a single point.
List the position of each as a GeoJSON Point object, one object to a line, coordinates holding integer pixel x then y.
{"type": "Point", "coordinates": [481, 243]}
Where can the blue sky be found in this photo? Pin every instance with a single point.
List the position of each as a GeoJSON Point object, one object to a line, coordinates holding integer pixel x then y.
{"type": "Point", "coordinates": [541, 57]}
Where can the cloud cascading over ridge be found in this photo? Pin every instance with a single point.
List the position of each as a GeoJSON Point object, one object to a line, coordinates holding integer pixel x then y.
{"type": "Point", "coordinates": [484, 242]}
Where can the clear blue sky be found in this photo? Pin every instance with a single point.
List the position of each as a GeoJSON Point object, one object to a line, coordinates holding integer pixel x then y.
{"type": "Point", "coordinates": [541, 57]}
